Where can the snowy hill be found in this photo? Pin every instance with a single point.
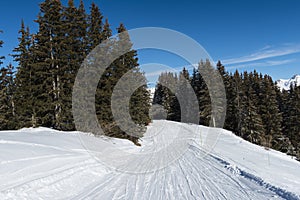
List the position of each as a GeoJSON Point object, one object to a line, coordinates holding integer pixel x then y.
{"type": "Point", "coordinates": [175, 161]}
{"type": "Point", "coordinates": [284, 84]}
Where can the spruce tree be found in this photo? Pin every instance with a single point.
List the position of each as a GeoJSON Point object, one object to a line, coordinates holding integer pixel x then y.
{"type": "Point", "coordinates": [7, 104]}
{"type": "Point", "coordinates": [47, 53]}
{"type": "Point", "coordinates": [237, 85]}
{"type": "Point", "coordinates": [252, 127]}
{"type": "Point", "coordinates": [139, 102]}
{"type": "Point", "coordinates": [95, 29]}
{"type": "Point", "coordinates": [292, 121]}
{"type": "Point", "coordinates": [270, 113]}
{"type": "Point", "coordinates": [183, 91]}
{"type": "Point", "coordinates": [24, 94]}
{"type": "Point", "coordinates": [204, 97]}
{"type": "Point", "coordinates": [165, 97]}
{"type": "Point", "coordinates": [74, 51]}
{"type": "Point", "coordinates": [230, 119]}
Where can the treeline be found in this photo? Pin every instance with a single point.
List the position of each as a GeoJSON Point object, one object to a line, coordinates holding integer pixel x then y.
{"type": "Point", "coordinates": [39, 91]}
{"type": "Point", "coordinates": [256, 108]}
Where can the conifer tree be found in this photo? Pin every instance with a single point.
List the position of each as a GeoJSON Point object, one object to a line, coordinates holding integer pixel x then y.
{"type": "Point", "coordinates": [74, 51]}
{"type": "Point", "coordinates": [230, 96]}
{"type": "Point", "coordinates": [165, 97]}
{"type": "Point", "coordinates": [24, 95]}
{"type": "Point", "coordinates": [139, 102]}
{"type": "Point", "coordinates": [183, 91]}
{"type": "Point", "coordinates": [252, 125]}
{"type": "Point", "coordinates": [237, 101]}
{"type": "Point", "coordinates": [47, 53]}
{"type": "Point", "coordinates": [175, 113]}
{"type": "Point", "coordinates": [7, 104]}
{"type": "Point", "coordinates": [204, 97]}
{"type": "Point", "coordinates": [270, 114]}
{"type": "Point", "coordinates": [95, 32]}
{"type": "Point", "coordinates": [292, 121]}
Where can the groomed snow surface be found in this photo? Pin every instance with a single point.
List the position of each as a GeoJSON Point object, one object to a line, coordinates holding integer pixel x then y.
{"type": "Point", "coordinates": [206, 164]}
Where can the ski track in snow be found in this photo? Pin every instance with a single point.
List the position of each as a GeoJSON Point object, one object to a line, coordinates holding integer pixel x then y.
{"type": "Point", "coordinates": [60, 172]}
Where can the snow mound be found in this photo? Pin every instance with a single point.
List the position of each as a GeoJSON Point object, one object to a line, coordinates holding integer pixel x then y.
{"type": "Point", "coordinates": [46, 164]}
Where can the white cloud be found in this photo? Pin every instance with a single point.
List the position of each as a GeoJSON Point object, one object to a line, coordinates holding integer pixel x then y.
{"type": "Point", "coordinates": [264, 53]}
{"type": "Point", "coordinates": [262, 64]}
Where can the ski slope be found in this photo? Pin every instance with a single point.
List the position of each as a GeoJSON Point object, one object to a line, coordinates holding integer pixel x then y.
{"type": "Point", "coordinates": [214, 164]}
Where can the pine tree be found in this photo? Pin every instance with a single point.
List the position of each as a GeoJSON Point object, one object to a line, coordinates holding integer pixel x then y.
{"type": "Point", "coordinates": [139, 102]}
{"type": "Point", "coordinates": [204, 96]}
{"type": "Point", "coordinates": [184, 111]}
{"type": "Point", "coordinates": [74, 51]}
{"type": "Point", "coordinates": [292, 121]}
{"type": "Point", "coordinates": [230, 119]}
{"type": "Point", "coordinates": [270, 114]}
{"type": "Point", "coordinates": [165, 97]}
{"type": "Point", "coordinates": [49, 63]}
{"type": "Point", "coordinates": [175, 113]}
{"type": "Point", "coordinates": [252, 127]}
{"type": "Point", "coordinates": [95, 31]}
{"type": "Point", "coordinates": [7, 104]}
{"type": "Point", "coordinates": [24, 82]}
{"type": "Point", "coordinates": [237, 101]}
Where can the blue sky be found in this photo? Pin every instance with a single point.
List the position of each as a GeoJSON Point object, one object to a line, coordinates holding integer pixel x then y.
{"type": "Point", "coordinates": [245, 35]}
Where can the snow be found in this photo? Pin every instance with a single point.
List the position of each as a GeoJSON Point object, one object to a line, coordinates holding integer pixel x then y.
{"type": "Point", "coordinates": [175, 161]}
{"type": "Point", "coordinates": [152, 91]}
{"type": "Point", "coordinates": [284, 84]}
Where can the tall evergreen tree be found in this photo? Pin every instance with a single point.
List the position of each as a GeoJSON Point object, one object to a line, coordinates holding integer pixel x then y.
{"type": "Point", "coordinates": [269, 110]}
{"type": "Point", "coordinates": [292, 121]}
{"type": "Point", "coordinates": [74, 51]}
{"type": "Point", "coordinates": [7, 104]}
{"type": "Point", "coordinates": [230, 119]}
{"type": "Point", "coordinates": [47, 53]}
{"type": "Point", "coordinates": [165, 97]}
{"type": "Point", "coordinates": [204, 97]}
{"type": "Point", "coordinates": [24, 95]}
{"type": "Point", "coordinates": [139, 102]}
{"type": "Point", "coordinates": [252, 127]}
{"type": "Point", "coordinates": [95, 31]}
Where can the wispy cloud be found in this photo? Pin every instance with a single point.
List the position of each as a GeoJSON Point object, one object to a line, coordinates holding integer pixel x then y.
{"type": "Point", "coordinates": [265, 53]}
{"type": "Point", "coordinates": [262, 64]}
{"type": "Point", "coordinates": [173, 70]}
{"type": "Point", "coordinates": [261, 58]}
